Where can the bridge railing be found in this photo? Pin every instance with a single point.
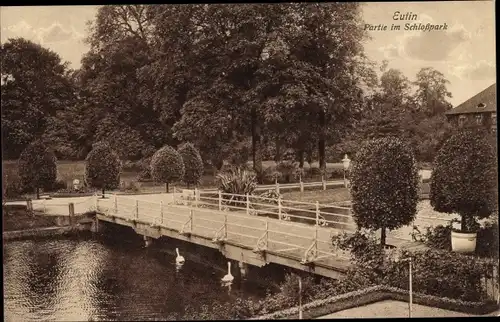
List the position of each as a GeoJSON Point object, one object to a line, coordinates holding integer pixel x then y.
{"type": "Point", "coordinates": [307, 243]}
{"type": "Point", "coordinates": [288, 210]}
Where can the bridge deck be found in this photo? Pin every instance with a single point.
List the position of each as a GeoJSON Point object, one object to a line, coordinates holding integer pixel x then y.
{"type": "Point", "coordinates": [266, 237]}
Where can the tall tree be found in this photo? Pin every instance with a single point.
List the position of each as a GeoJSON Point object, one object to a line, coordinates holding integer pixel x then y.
{"type": "Point", "coordinates": [35, 85]}
{"type": "Point", "coordinates": [432, 93]}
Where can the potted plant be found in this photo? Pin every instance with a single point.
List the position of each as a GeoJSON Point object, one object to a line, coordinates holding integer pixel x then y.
{"type": "Point", "coordinates": [464, 182]}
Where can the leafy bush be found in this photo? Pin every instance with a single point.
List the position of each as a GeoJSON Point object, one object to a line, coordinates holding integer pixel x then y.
{"type": "Point", "coordinates": [337, 173]}
{"type": "Point", "coordinates": [102, 167]}
{"type": "Point", "coordinates": [193, 164]}
{"type": "Point", "coordinates": [59, 185]}
{"type": "Point", "coordinates": [287, 170]}
{"type": "Point", "coordinates": [144, 170]}
{"type": "Point", "coordinates": [464, 179]}
{"type": "Point", "coordinates": [236, 181]}
{"type": "Point", "coordinates": [435, 272]}
{"type": "Point", "coordinates": [12, 187]}
{"type": "Point", "coordinates": [129, 186]}
{"type": "Point", "coordinates": [438, 237]}
{"type": "Point", "coordinates": [37, 166]}
{"type": "Point", "coordinates": [487, 239]}
{"type": "Point", "coordinates": [270, 175]}
{"type": "Point", "coordinates": [384, 185]}
{"type": "Point", "coordinates": [167, 166]}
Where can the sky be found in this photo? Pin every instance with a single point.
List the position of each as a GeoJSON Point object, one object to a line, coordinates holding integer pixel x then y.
{"type": "Point", "coordinates": [464, 52]}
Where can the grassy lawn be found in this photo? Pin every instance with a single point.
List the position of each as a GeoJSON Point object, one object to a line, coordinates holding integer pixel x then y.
{"type": "Point", "coordinates": [67, 171]}
{"type": "Point", "coordinates": [322, 196]}
{"type": "Point", "coordinates": [16, 218]}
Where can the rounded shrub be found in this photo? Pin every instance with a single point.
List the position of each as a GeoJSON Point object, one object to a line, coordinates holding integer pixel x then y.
{"type": "Point", "coordinates": [193, 164]}
{"type": "Point", "coordinates": [464, 179]}
{"type": "Point", "coordinates": [384, 185]}
{"type": "Point", "coordinates": [102, 167]}
{"type": "Point", "coordinates": [167, 166]}
{"type": "Point", "coordinates": [37, 167]}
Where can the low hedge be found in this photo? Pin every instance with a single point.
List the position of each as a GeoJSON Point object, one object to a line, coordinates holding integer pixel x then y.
{"type": "Point", "coordinates": [375, 294]}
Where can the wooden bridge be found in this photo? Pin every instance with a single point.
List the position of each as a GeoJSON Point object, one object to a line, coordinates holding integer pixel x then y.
{"type": "Point", "coordinates": [248, 229]}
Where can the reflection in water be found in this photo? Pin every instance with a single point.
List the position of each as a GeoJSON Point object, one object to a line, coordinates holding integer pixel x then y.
{"type": "Point", "coordinates": [82, 280]}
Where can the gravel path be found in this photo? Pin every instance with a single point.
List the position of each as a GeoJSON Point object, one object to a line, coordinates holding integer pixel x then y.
{"type": "Point", "coordinates": [393, 309]}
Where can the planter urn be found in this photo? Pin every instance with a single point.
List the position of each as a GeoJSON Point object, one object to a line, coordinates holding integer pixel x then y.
{"type": "Point", "coordinates": [463, 242]}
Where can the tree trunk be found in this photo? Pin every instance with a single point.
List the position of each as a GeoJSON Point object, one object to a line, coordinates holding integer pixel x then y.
{"type": "Point", "coordinates": [277, 156]}
{"type": "Point", "coordinates": [383, 236]}
{"type": "Point", "coordinates": [300, 154]}
{"type": "Point", "coordinates": [166, 187]}
{"type": "Point", "coordinates": [102, 193]}
{"type": "Point", "coordinates": [256, 143]}
{"type": "Point", "coordinates": [37, 193]}
{"type": "Point", "coordinates": [321, 142]}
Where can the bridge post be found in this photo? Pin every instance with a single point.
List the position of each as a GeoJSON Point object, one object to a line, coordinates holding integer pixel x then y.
{"type": "Point", "coordinates": [243, 269]}
{"type": "Point", "coordinates": [161, 211]}
{"type": "Point", "coordinates": [248, 204]}
{"type": "Point", "coordinates": [317, 213]}
{"type": "Point", "coordinates": [148, 241]}
{"type": "Point", "coordinates": [220, 200]}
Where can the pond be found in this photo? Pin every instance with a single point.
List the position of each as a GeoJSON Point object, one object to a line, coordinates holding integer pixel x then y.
{"type": "Point", "coordinates": [82, 279]}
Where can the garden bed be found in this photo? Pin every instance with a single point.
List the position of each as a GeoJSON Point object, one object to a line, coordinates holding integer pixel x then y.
{"type": "Point", "coordinates": [375, 294]}
{"type": "Point", "coordinates": [16, 217]}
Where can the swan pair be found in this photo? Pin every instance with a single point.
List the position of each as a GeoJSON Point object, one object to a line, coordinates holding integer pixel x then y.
{"type": "Point", "coordinates": [227, 278]}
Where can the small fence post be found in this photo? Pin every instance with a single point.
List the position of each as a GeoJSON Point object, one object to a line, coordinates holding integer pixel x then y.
{"type": "Point", "coordinates": [225, 225]}
{"type": "Point", "coordinates": [324, 182]}
{"type": "Point", "coordinates": [136, 209]}
{"type": "Point", "coordinates": [44, 206]}
{"type": "Point", "coordinates": [116, 203]}
{"type": "Point", "coordinates": [220, 200]}
{"type": "Point", "coordinates": [317, 213]}
{"type": "Point", "coordinates": [29, 205]}
{"type": "Point", "coordinates": [71, 213]}
{"type": "Point", "coordinates": [173, 195]}
{"type": "Point", "coordinates": [301, 184]}
{"type": "Point", "coordinates": [277, 186]}
{"type": "Point", "coordinates": [161, 211]}
{"type": "Point", "coordinates": [191, 220]}
{"type": "Point", "coordinates": [248, 204]}
{"type": "Point", "coordinates": [279, 207]}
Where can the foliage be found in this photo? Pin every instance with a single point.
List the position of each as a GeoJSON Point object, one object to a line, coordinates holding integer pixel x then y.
{"type": "Point", "coordinates": [58, 185]}
{"type": "Point", "coordinates": [193, 164]}
{"type": "Point", "coordinates": [270, 175]}
{"type": "Point", "coordinates": [464, 179]}
{"type": "Point", "coordinates": [435, 272]}
{"type": "Point", "coordinates": [287, 170]}
{"type": "Point", "coordinates": [236, 181]}
{"type": "Point", "coordinates": [102, 167]}
{"type": "Point", "coordinates": [37, 166]}
{"type": "Point", "coordinates": [488, 239]}
{"type": "Point", "coordinates": [129, 186]}
{"type": "Point", "coordinates": [384, 185]}
{"type": "Point", "coordinates": [167, 165]}
{"type": "Point", "coordinates": [35, 88]}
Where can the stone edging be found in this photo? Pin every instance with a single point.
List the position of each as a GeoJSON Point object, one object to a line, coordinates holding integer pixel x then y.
{"type": "Point", "coordinates": [375, 294]}
{"type": "Point", "coordinates": [40, 232]}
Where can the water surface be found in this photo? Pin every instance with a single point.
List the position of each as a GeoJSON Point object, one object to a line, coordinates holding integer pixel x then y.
{"type": "Point", "coordinates": [95, 279]}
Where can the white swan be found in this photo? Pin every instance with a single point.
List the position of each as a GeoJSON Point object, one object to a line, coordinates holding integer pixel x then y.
{"type": "Point", "coordinates": [179, 259]}
{"type": "Point", "coordinates": [228, 277]}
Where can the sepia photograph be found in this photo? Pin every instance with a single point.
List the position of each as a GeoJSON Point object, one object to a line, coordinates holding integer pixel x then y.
{"type": "Point", "coordinates": [237, 161]}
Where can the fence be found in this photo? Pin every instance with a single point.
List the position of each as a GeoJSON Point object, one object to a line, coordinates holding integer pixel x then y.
{"type": "Point", "coordinates": [287, 210]}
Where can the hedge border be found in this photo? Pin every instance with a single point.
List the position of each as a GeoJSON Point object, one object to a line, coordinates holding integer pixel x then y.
{"type": "Point", "coordinates": [375, 294]}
